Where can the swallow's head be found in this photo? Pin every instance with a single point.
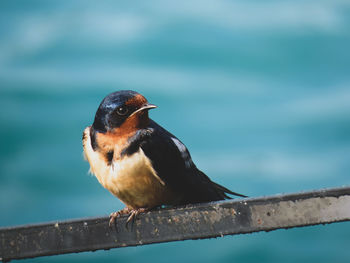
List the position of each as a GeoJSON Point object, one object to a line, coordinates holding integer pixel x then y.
{"type": "Point", "coordinates": [123, 109]}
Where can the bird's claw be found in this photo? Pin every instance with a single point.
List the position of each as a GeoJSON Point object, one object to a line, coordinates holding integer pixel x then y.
{"type": "Point", "coordinates": [113, 216]}
{"type": "Point", "coordinates": [133, 213]}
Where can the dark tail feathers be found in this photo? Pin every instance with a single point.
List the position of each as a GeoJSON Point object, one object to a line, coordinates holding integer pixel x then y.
{"type": "Point", "coordinates": [226, 191]}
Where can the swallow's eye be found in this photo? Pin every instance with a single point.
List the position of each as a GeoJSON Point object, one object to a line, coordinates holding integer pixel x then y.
{"type": "Point", "coordinates": [122, 111]}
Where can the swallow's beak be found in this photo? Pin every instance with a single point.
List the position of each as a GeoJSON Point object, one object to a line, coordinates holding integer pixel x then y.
{"type": "Point", "coordinates": [147, 106]}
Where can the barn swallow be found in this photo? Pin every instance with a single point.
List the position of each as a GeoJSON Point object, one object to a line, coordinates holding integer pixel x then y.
{"type": "Point", "coordinates": [140, 162]}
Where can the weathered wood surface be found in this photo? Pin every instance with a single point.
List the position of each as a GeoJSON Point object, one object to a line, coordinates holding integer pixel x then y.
{"type": "Point", "coordinates": [191, 222]}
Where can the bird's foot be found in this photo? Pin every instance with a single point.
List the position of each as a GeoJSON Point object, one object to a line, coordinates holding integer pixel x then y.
{"type": "Point", "coordinates": [113, 216]}
{"type": "Point", "coordinates": [133, 213]}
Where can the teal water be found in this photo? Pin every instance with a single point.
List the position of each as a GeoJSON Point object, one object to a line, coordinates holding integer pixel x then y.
{"type": "Point", "coordinates": [259, 92]}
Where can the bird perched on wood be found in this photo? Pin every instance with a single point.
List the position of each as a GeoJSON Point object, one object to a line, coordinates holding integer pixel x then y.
{"type": "Point", "coordinates": [140, 162]}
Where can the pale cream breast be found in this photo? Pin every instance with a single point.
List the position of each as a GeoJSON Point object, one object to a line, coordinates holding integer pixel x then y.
{"type": "Point", "coordinates": [135, 182]}
{"type": "Point", "coordinates": [97, 161]}
{"type": "Point", "coordinates": [131, 178]}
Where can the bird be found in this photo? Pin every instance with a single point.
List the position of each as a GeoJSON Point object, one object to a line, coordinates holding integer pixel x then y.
{"type": "Point", "coordinates": [140, 162]}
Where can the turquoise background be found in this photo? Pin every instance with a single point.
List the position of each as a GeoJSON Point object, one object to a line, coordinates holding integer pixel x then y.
{"type": "Point", "coordinates": [258, 91]}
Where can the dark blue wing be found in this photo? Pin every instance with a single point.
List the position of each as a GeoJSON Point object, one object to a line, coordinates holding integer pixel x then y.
{"type": "Point", "coordinates": [173, 164]}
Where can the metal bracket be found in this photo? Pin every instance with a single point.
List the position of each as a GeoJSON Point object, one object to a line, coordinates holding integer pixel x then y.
{"type": "Point", "coordinates": [190, 222]}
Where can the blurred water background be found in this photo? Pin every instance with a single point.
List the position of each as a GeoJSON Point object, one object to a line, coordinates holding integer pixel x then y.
{"type": "Point", "coordinates": [258, 91]}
